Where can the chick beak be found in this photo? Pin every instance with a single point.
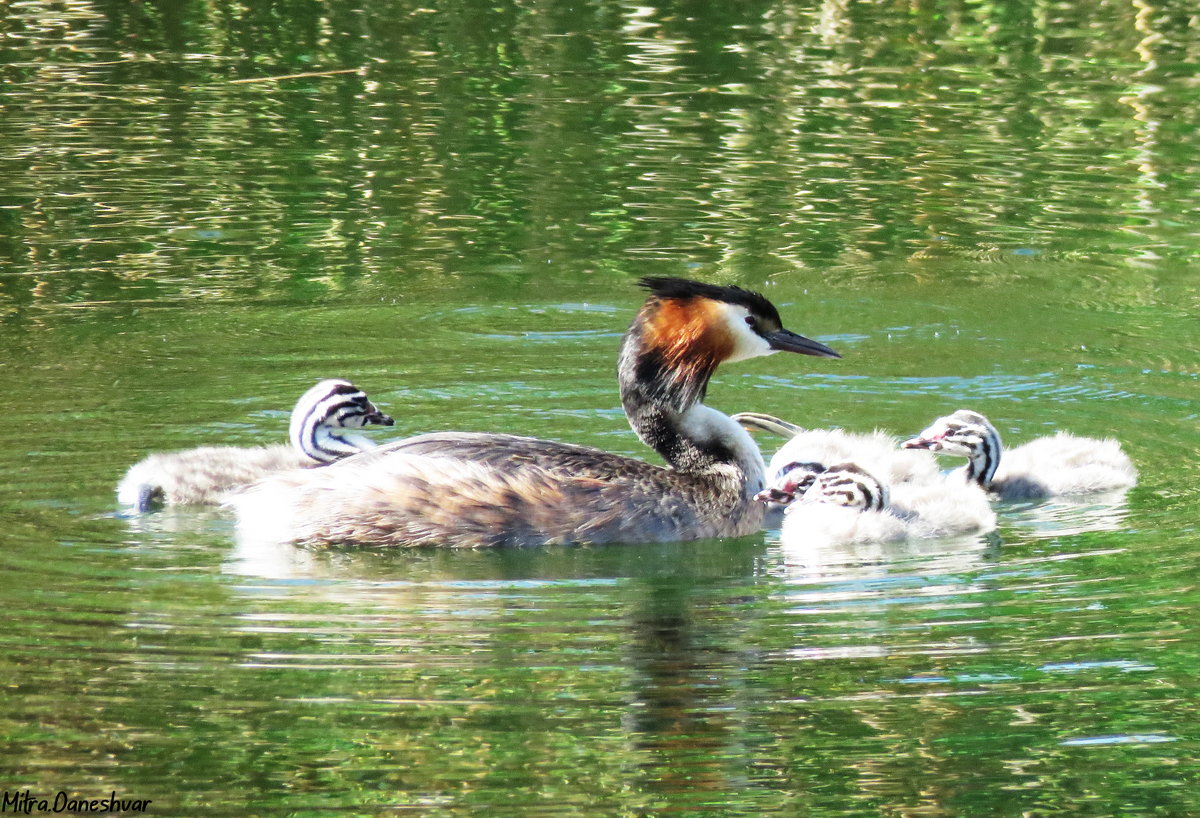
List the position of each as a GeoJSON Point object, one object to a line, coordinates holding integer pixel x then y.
{"type": "Point", "coordinates": [773, 495]}
{"type": "Point", "coordinates": [919, 443]}
{"type": "Point", "coordinates": [379, 419]}
{"type": "Point", "coordinates": [785, 340]}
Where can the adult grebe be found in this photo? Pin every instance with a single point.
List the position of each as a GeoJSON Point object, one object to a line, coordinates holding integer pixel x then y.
{"type": "Point", "coordinates": [1059, 465]}
{"type": "Point", "coordinates": [203, 476]}
{"type": "Point", "coordinates": [469, 490]}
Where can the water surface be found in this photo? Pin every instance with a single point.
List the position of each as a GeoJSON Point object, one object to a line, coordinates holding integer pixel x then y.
{"type": "Point", "coordinates": [979, 205]}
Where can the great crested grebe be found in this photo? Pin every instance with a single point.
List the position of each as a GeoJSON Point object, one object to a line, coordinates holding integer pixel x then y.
{"type": "Point", "coordinates": [846, 504]}
{"type": "Point", "coordinates": [1058, 465]}
{"type": "Point", "coordinates": [204, 476]}
{"type": "Point", "coordinates": [469, 490]}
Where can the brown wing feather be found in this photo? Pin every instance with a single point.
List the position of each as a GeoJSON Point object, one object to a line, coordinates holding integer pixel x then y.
{"type": "Point", "coordinates": [513, 452]}
{"type": "Point", "coordinates": [404, 499]}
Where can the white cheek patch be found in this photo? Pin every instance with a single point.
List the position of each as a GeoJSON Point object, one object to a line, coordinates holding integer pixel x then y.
{"type": "Point", "coordinates": [746, 342]}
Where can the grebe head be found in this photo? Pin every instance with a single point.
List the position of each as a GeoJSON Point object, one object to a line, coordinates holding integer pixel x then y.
{"type": "Point", "coordinates": [323, 411]}
{"type": "Point", "coordinates": [674, 345]}
{"type": "Point", "coordinates": [726, 321]}
{"type": "Point", "coordinates": [790, 482]}
{"type": "Point", "coordinates": [966, 434]}
{"type": "Point", "coordinates": [687, 328]}
{"type": "Point", "coordinates": [846, 484]}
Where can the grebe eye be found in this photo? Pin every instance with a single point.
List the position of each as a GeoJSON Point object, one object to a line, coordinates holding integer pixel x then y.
{"type": "Point", "coordinates": [749, 320]}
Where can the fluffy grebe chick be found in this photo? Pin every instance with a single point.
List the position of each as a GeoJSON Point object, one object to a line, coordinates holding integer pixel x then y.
{"type": "Point", "coordinates": [204, 476]}
{"type": "Point", "coordinates": [1058, 465]}
{"type": "Point", "coordinates": [877, 452]}
{"type": "Point", "coordinates": [469, 490]}
{"type": "Point", "coordinates": [846, 504]}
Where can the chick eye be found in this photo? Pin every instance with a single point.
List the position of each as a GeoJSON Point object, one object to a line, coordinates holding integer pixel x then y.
{"type": "Point", "coordinates": [749, 320]}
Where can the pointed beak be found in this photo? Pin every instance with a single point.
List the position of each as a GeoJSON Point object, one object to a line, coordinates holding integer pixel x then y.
{"type": "Point", "coordinates": [773, 495]}
{"type": "Point", "coordinates": [787, 341]}
{"type": "Point", "coordinates": [379, 419]}
{"type": "Point", "coordinates": [919, 443]}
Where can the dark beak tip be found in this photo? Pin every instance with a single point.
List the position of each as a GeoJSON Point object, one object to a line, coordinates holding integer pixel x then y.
{"type": "Point", "coordinates": [787, 341]}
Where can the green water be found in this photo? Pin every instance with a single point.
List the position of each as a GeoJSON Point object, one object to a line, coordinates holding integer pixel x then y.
{"type": "Point", "coordinates": [979, 204]}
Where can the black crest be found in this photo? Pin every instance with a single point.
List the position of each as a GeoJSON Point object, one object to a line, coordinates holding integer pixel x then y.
{"type": "Point", "coordinates": [667, 287]}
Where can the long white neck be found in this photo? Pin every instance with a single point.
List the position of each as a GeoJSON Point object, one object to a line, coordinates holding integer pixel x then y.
{"type": "Point", "coordinates": [712, 439]}
{"type": "Point", "coordinates": [668, 416]}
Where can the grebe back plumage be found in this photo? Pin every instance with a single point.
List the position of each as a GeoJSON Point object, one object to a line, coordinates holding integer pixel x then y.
{"type": "Point", "coordinates": [205, 475]}
{"type": "Point", "coordinates": [475, 489]}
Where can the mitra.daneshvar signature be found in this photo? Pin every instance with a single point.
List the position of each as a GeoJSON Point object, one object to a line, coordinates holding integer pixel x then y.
{"type": "Point", "coordinates": [26, 803]}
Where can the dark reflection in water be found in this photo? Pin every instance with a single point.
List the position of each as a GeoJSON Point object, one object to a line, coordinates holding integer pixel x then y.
{"type": "Point", "coordinates": [686, 718]}
{"type": "Point", "coordinates": [674, 677]}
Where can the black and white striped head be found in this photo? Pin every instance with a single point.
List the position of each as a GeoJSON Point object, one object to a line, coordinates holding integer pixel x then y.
{"type": "Point", "coordinates": [789, 482]}
{"type": "Point", "coordinates": [329, 406]}
{"type": "Point", "coordinates": [846, 484]}
{"type": "Point", "coordinates": [966, 434]}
